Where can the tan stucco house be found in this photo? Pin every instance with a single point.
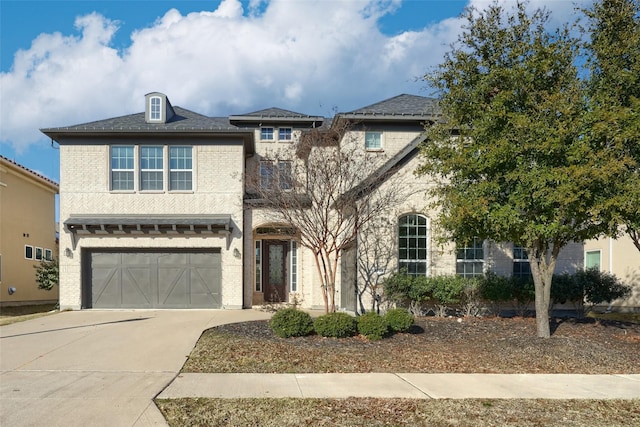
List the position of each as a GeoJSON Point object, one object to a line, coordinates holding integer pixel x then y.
{"type": "Point", "coordinates": [155, 213]}
{"type": "Point", "coordinates": [27, 233]}
{"type": "Point", "coordinates": [617, 256]}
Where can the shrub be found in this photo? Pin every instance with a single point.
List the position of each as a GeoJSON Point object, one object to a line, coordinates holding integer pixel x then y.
{"type": "Point", "coordinates": [600, 286]}
{"type": "Point", "coordinates": [336, 325]}
{"type": "Point", "coordinates": [399, 319]}
{"type": "Point", "coordinates": [397, 287]}
{"type": "Point", "coordinates": [372, 325]}
{"type": "Point", "coordinates": [446, 290]}
{"type": "Point", "coordinates": [290, 322]}
{"type": "Point", "coordinates": [47, 274]}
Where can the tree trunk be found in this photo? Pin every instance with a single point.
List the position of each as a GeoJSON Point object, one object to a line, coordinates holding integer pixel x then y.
{"type": "Point", "coordinates": [323, 283]}
{"type": "Point", "coordinates": [543, 265]}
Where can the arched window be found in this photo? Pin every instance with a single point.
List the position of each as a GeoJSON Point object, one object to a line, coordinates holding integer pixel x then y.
{"type": "Point", "coordinates": [413, 238]}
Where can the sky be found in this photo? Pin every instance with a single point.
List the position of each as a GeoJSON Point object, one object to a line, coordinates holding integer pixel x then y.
{"type": "Point", "coordinates": [75, 61]}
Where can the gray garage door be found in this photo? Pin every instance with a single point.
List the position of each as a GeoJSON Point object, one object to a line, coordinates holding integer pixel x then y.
{"type": "Point", "coordinates": [152, 280]}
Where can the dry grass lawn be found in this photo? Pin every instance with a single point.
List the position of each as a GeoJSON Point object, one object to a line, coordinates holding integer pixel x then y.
{"type": "Point", "coordinates": [495, 345]}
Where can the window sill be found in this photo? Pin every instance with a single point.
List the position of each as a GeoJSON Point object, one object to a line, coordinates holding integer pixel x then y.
{"type": "Point", "coordinates": [374, 150]}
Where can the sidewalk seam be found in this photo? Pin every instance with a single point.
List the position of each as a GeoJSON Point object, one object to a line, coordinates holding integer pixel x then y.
{"type": "Point", "coordinates": [414, 386]}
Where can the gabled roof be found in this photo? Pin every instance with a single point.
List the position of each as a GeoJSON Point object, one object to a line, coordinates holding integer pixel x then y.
{"type": "Point", "coordinates": [388, 168]}
{"type": "Point", "coordinates": [30, 173]}
{"type": "Point", "coordinates": [401, 107]}
{"type": "Point", "coordinates": [276, 115]}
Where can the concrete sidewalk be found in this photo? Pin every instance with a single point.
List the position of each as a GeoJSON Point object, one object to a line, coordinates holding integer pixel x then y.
{"type": "Point", "coordinates": [417, 386]}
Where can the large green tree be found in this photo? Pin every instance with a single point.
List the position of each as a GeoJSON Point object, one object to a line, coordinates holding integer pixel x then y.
{"type": "Point", "coordinates": [613, 117]}
{"type": "Point", "coordinates": [509, 160]}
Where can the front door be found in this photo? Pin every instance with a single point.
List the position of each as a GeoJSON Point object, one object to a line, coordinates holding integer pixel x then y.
{"type": "Point", "coordinates": [274, 275]}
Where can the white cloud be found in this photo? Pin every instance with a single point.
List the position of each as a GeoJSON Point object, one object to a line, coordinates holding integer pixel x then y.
{"type": "Point", "coordinates": [304, 56]}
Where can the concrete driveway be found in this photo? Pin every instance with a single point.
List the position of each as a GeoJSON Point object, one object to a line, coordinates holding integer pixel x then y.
{"type": "Point", "coordinates": [98, 368]}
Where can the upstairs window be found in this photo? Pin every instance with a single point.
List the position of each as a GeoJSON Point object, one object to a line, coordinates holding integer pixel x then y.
{"type": "Point", "coordinates": [266, 134]}
{"type": "Point", "coordinates": [48, 255]}
{"type": "Point", "coordinates": [122, 164]}
{"type": "Point", "coordinates": [275, 175]}
{"type": "Point", "coordinates": [284, 134]}
{"type": "Point", "coordinates": [155, 108]}
{"type": "Point", "coordinates": [413, 244]}
{"type": "Point", "coordinates": [151, 169]}
{"type": "Point", "coordinates": [180, 168]}
{"type": "Point", "coordinates": [284, 175]}
{"type": "Point", "coordinates": [373, 140]}
{"type": "Point", "coordinates": [470, 259]}
{"type": "Point", "coordinates": [28, 252]}
{"type": "Point", "coordinates": [521, 265]}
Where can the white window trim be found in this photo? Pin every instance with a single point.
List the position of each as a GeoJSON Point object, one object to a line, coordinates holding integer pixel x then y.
{"type": "Point", "coordinates": [273, 133]}
{"type": "Point", "coordinates": [290, 134]}
{"type": "Point", "coordinates": [33, 252]}
{"type": "Point", "coordinates": [257, 265]}
{"type": "Point", "coordinates": [474, 260]}
{"type": "Point", "coordinates": [166, 169]}
{"type": "Point", "coordinates": [141, 170]}
{"type": "Point", "coordinates": [135, 167]}
{"type": "Point", "coordinates": [428, 237]}
{"type": "Point", "coordinates": [41, 251]}
{"type": "Point", "coordinates": [151, 112]}
{"type": "Point", "coordinates": [599, 251]}
{"type": "Point", "coordinates": [374, 149]}
{"type": "Point", "coordinates": [293, 266]}
{"type": "Point", "coordinates": [48, 254]}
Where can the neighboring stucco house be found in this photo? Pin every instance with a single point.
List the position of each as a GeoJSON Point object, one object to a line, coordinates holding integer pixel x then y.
{"type": "Point", "coordinates": [27, 233]}
{"type": "Point", "coordinates": [617, 256]}
{"type": "Point", "coordinates": [155, 213]}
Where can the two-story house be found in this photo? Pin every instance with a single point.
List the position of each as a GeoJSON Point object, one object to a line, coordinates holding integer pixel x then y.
{"type": "Point", "coordinates": [27, 233]}
{"type": "Point", "coordinates": [155, 213]}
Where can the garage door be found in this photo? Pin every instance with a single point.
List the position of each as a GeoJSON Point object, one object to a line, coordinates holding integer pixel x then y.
{"type": "Point", "coordinates": [152, 280]}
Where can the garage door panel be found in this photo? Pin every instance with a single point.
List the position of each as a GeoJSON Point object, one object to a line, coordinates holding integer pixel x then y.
{"type": "Point", "coordinates": [137, 286]}
{"type": "Point", "coordinates": [155, 279]}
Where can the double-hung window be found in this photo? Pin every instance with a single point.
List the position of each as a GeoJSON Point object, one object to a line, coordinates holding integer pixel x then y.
{"type": "Point", "coordinates": [284, 174]}
{"type": "Point", "coordinates": [413, 244]}
{"type": "Point", "coordinates": [373, 140]}
{"type": "Point", "coordinates": [266, 174]}
{"type": "Point", "coordinates": [521, 265]}
{"type": "Point", "coordinates": [470, 259]}
{"type": "Point", "coordinates": [151, 168]}
{"type": "Point", "coordinates": [122, 168]}
{"type": "Point", "coordinates": [155, 108]}
{"type": "Point", "coordinates": [266, 134]}
{"type": "Point", "coordinates": [284, 134]}
{"type": "Point", "coordinates": [275, 175]}
{"type": "Point", "coordinates": [180, 168]}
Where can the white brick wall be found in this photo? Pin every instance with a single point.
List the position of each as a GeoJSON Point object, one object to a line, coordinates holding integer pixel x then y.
{"type": "Point", "coordinates": [218, 189]}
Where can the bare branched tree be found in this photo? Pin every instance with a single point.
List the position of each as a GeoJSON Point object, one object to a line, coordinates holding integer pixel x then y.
{"type": "Point", "coordinates": [327, 187]}
{"type": "Point", "coordinates": [376, 258]}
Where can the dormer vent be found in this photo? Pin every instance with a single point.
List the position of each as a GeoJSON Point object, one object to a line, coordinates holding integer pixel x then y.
{"type": "Point", "coordinates": [158, 108]}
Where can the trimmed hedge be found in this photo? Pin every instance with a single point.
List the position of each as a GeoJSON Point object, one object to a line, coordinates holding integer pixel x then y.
{"type": "Point", "coordinates": [372, 325]}
{"type": "Point", "coordinates": [399, 319]}
{"type": "Point", "coordinates": [290, 322]}
{"type": "Point", "coordinates": [336, 325]}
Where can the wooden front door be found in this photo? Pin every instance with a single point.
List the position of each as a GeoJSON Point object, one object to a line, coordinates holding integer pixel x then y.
{"type": "Point", "coordinates": [274, 275]}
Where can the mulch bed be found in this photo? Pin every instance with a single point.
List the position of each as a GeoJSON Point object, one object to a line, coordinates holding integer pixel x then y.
{"type": "Point", "coordinates": [434, 345]}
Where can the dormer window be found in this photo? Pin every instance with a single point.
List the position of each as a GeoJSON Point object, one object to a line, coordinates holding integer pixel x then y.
{"type": "Point", "coordinates": [155, 108]}
{"type": "Point", "coordinates": [158, 109]}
